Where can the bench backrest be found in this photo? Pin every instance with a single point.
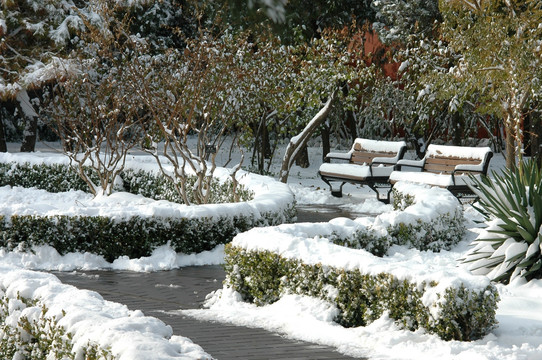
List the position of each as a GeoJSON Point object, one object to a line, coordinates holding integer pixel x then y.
{"type": "Point", "coordinates": [365, 150]}
{"type": "Point", "coordinates": [444, 158]}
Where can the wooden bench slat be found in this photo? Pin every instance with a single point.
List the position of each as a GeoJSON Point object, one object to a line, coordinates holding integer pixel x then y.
{"type": "Point", "coordinates": [439, 168]}
{"type": "Point", "coordinates": [446, 165]}
{"type": "Point", "coordinates": [363, 157]}
{"type": "Point", "coordinates": [450, 161]}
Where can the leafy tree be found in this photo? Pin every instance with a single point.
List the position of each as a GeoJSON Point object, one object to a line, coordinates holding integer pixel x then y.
{"type": "Point", "coordinates": [398, 20]}
{"type": "Point", "coordinates": [190, 92]}
{"type": "Point", "coordinates": [329, 68]}
{"type": "Point", "coordinates": [34, 36]}
{"type": "Point", "coordinates": [499, 43]}
{"type": "Point", "coordinates": [296, 21]}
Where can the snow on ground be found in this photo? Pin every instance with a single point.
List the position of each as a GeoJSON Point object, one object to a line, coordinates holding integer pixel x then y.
{"type": "Point", "coordinates": [89, 318]}
{"type": "Point", "coordinates": [517, 337]}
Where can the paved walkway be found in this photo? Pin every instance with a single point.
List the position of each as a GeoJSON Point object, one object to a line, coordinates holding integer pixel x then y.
{"type": "Point", "coordinates": [159, 292]}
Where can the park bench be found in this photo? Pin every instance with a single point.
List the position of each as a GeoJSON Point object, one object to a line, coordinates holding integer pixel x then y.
{"type": "Point", "coordinates": [369, 162]}
{"type": "Point", "coordinates": [447, 167]}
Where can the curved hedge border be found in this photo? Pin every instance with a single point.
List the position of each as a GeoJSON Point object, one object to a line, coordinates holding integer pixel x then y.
{"type": "Point", "coordinates": [454, 310]}
{"type": "Point", "coordinates": [62, 177]}
{"type": "Point", "coordinates": [136, 236]}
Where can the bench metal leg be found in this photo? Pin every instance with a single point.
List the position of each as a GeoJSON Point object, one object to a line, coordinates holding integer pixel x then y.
{"type": "Point", "coordinates": [336, 192]}
{"type": "Point", "coordinates": [376, 189]}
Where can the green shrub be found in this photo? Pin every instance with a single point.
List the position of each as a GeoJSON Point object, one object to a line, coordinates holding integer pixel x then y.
{"type": "Point", "coordinates": [401, 200]}
{"type": "Point", "coordinates": [511, 247]}
{"type": "Point", "coordinates": [441, 232]}
{"type": "Point", "coordinates": [60, 178]}
{"type": "Point", "coordinates": [158, 187]}
{"type": "Point", "coordinates": [41, 338]}
{"type": "Point", "coordinates": [52, 178]}
{"type": "Point", "coordinates": [133, 237]}
{"type": "Point", "coordinates": [461, 313]}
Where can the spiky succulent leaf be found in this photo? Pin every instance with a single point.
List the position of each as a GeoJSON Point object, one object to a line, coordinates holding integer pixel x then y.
{"type": "Point", "coordinates": [510, 247]}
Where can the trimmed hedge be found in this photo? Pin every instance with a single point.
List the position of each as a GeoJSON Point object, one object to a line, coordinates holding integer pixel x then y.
{"type": "Point", "coordinates": [425, 219]}
{"type": "Point", "coordinates": [458, 313]}
{"type": "Point", "coordinates": [60, 178]}
{"type": "Point", "coordinates": [52, 178]}
{"type": "Point", "coordinates": [134, 237]}
{"type": "Point", "coordinates": [26, 332]}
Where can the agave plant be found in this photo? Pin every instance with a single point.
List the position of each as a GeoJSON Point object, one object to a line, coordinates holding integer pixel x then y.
{"type": "Point", "coordinates": [511, 203]}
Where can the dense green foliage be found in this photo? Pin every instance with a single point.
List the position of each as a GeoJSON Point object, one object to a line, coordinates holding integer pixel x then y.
{"type": "Point", "coordinates": [134, 237]}
{"type": "Point", "coordinates": [459, 313]}
{"type": "Point", "coordinates": [512, 247]}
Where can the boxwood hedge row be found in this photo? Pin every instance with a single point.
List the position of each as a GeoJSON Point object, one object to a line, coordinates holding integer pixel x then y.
{"type": "Point", "coordinates": [60, 177]}
{"type": "Point", "coordinates": [133, 237]}
{"type": "Point", "coordinates": [459, 313]}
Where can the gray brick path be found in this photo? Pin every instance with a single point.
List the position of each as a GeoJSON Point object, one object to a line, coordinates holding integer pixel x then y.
{"type": "Point", "coordinates": [186, 288]}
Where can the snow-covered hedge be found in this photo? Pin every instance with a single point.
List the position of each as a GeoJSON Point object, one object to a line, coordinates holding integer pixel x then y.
{"type": "Point", "coordinates": [262, 264]}
{"type": "Point", "coordinates": [424, 218]}
{"type": "Point", "coordinates": [62, 177]}
{"type": "Point", "coordinates": [125, 224]}
{"type": "Point", "coordinates": [41, 318]}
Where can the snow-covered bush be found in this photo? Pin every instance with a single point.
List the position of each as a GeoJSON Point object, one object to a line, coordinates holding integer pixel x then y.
{"type": "Point", "coordinates": [310, 259]}
{"type": "Point", "coordinates": [26, 332]}
{"type": "Point", "coordinates": [133, 237]}
{"type": "Point", "coordinates": [50, 177]}
{"type": "Point", "coordinates": [423, 218]}
{"type": "Point", "coordinates": [510, 246]}
{"type": "Point", "coordinates": [453, 311]}
{"type": "Point", "coordinates": [107, 226]}
{"type": "Point", "coordinates": [157, 187]}
{"type": "Point", "coordinates": [43, 319]}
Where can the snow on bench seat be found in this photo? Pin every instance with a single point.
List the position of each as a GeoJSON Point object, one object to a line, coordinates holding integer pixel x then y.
{"type": "Point", "coordinates": [370, 162]}
{"type": "Point", "coordinates": [447, 167]}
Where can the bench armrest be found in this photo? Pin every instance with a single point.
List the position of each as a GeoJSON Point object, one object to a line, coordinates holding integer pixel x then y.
{"type": "Point", "coordinates": [384, 160]}
{"type": "Point", "coordinates": [338, 156]}
{"type": "Point", "coordinates": [469, 168]}
{"type": "Point", "coordinates": [410, 163]}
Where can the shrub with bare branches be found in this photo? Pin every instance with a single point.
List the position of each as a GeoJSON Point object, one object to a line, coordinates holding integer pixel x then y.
{"type": "Point", "coordinates": [188, 93]}
{"type": "Point", "coordinates": [93, 111]}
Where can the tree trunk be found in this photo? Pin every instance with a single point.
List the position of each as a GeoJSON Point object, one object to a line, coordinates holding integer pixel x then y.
{"type": "Point", "coordinates": [457, 131]}
{"type": "Point", "coordinates": [31, 122]}
{"type": "Point", "coordinates": [3, 145]}
{"type": "Point", "coordinates": [326, 145]}
{"type": "Point", "coordinates": [266, 146]}
{"type": "Point", "coordinates": [30, 135]}
{"type": "Point", "coordinates": [298, 142]}
{"type": "Point", "coordinates": [302, 158]}
{"type": "Point", "coordinates": [510, 148]}
{"type": "Point", "coordinates": [351, 124]}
